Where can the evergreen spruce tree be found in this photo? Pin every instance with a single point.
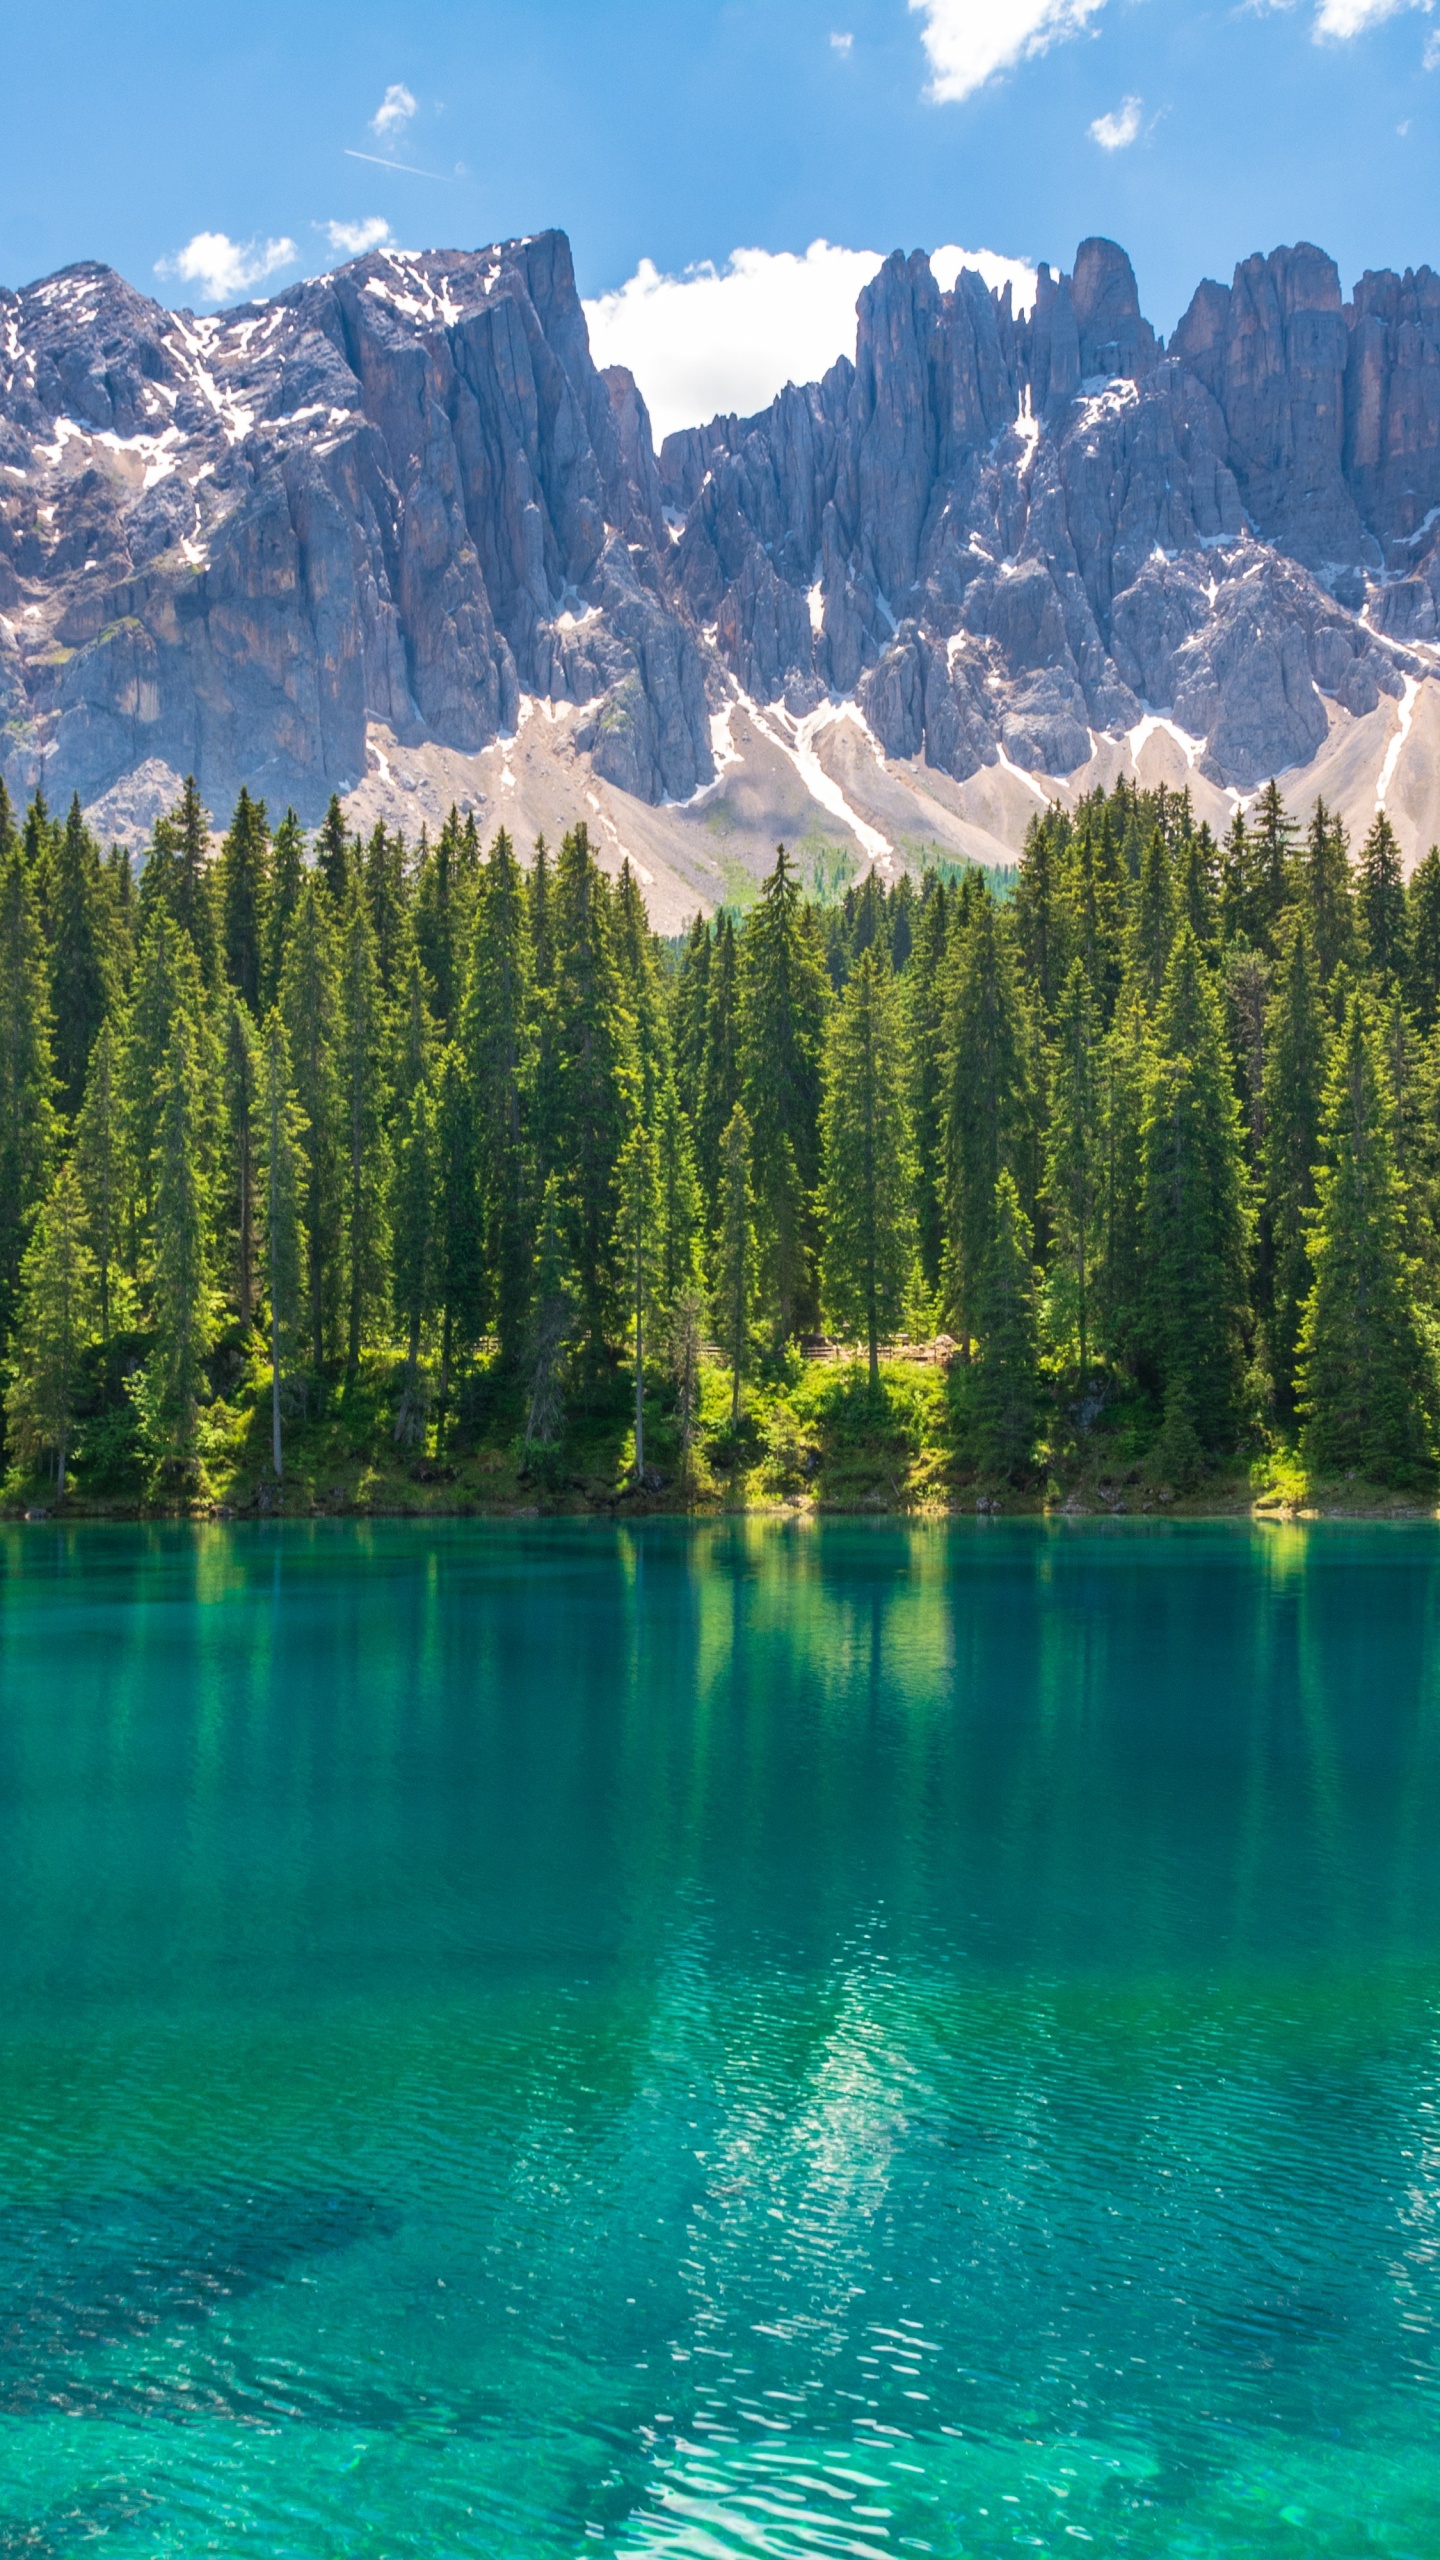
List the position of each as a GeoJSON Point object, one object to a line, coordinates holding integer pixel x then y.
{"type": "Point", "coordinates": [1096, 880]}
{"type": "Point", "coordinates": [56, 1324]}
{"type": "Point", "coordinates": [244, 889]}
{"type": "Point", "coordinates": [1294, 1091]}
{"type": "Point", "coordinates": [924, 989]}
{"type": "Point", "coordinates": [27, 1080]}
{"type": "Point", "coordinates": [639, 1188]}
{"type": "Point", "coordinates": [692, 991]}
{"type": "Point", "coordinates": [1151, 926]}
{"type": "Point", "coordinates": [119, 908]}
{"type": "Point", "coordinates": [644, 995]}
{"type": "Point", "coordinates": [868, 1160]}
{"type": "Point", "coordinates": [444, 904]}
{"type": "Point", "coordinates": [541, 916]}
{"type": "Point", "coordinates": [1327, 895]}
{"type": "Point", "coordinates": [590, 1086]}
{"type": "Point", "coordinates": [1075, 1167]}
{"type": "Point", "coordinates": [287, 875]}
{"type": "Point", "coordinates": [1194, 1198]}
{"type": "Point", "coordinates": [166, 984]}
{"type": "Point", "coordinates": [784, 998]}
{"type": "Point", "coordinates": [735, 1261]}
{"type": "Point", "coordinates": [387, 897]}
{"type": "Point", "coordinates": [83, 975]}
{"type": "Point", "coordinates": [282, 1172]}
{"type": "Point", "coordinates": [684, 1347]}
{"type": "Point", "coordinates": [677, 1257]}
{"type": "Point", "coordinates": [334, 855]}
{"type": "Point", "coordinates": [1043, 915]}
{"type": "Point", "coordinates": [990, 1101]}
{"type": "Point", "coordinates": [310, 1010]}
{"type": "Point", "coordinates": [241, 1070]}
{"type": "Point", "coordinates": [174, 1386]}
{"type": "Point", "coordinates": [1007, 1377]}
{"type": "Point", "coordinates": [1245, 988]}
{"type": "Point", "coordinates": [1197, 888]}
{"type": "Point", "coordinates": [1382, 903]}
{"type": "Point", "coordinates": [1367, 1385]}
{"type": "Point", "coordinates": [361, 1065]}
{"type": "Point", "coordinates": [719, 1075]}
{"type": "Point", "coordinates": [461, 1288]}
{"type": "Point", "coordinates": [1273, 864]}
{"type": "Point", "coordinates": [106, 1174]}
{"type": "Point", "coordinates": [554, 1300]}
{"type": "Point", "coordinates": [496, 1039]}
{"type": "Point", "coordinates": [192, 893]}
{"type": "Point", "coordinates": [1422, 940]}
{"type": "Point", "coordinates": [412, 1228]}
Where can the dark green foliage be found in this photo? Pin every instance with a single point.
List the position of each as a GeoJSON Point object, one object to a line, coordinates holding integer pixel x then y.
{"type": "Point", "coordinates": [309, 1004]}
{"type": "Point", "coordinates": [84, 976]}
{"type": "Point", "coordinates": [1007, 1380]}
{"type": "Point", "coordinates": [719, 1069]}
{"type": "Point", "coordinates": [334, 853]}
{"type": "Point", "coordinates": [497, 1044]}
{"type": "Point", "coordinates": [868, 1195]}
{"type": "Point", "coordinates": [735, 1264]}
{"type": "Point", "coordinates": [990, 1126]}
{"type": "Point", "coordinates": [589, 1085]}
{"type": "Point", "coordinates": [1367, 1381]}
{"type": "Point", "coordinates": [281, 1164]}
{"type": "Point", "coordinates": [58, 1319]}
{"type": "Point", "coordinates": [1194, 1199]}
{"type": "Point", "coordinates": [175, 1385]}
{"type": "Point", "coordinates": [1075, 1167]}
{"type": "Point", "coordinates": [1295, 1043]}
{"type": "Point", "coordinates": [1326, 892]}
{"type": "Point", "coordinates": [924, 990]}
{"type": "Point", "coordinates": [784, 998]}
{"type": "Point", "coordinates": [28, 1132]}
{"type": "Point", "coordinates": [362, 1067]}
{"type": "Point", "coordinates": [1382, 903]}
{"type": "Point", "coordinates": [1422, 940]}
{"type": "Point", "coordinates": [287, 873]}
{"type": "Point", "coordinates": [245, 868]}
{"type": "Point", "coordinates": [494, 1128]}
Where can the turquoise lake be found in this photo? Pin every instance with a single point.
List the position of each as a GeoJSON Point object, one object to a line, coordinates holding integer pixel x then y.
{"type": "Point", "coordinates": [539, 2039]}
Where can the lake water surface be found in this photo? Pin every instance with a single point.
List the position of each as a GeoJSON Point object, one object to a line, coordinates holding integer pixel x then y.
{"type": "Point", "coordinates": [520, 2041]}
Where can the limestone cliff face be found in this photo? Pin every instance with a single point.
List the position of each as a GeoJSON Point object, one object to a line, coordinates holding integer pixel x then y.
{"type": "Point", "coordinates": [403, 495]}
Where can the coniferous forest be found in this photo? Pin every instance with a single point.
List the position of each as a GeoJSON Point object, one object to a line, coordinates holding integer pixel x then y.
{"type": "Point", "coordinates": [330, 1167]}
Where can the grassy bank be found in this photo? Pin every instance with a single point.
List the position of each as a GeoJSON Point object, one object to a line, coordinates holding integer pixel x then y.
{"type": "Point", "coordinates": [812, 1435]}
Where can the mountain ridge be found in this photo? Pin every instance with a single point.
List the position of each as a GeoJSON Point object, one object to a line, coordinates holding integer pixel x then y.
{"type": "Point", "coordinates": [357, 537]}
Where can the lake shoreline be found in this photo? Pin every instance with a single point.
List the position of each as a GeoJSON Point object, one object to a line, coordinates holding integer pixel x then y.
{"type": "Point", "coordinates": [1370, 1504]}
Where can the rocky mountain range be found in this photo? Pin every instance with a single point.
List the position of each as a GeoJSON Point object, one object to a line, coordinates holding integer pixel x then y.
{"type": "Point", "coordinates": [393, 534]}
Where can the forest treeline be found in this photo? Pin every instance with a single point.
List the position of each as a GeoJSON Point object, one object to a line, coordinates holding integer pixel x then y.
{"type": "Point", "coordinates": [1163, 1123]}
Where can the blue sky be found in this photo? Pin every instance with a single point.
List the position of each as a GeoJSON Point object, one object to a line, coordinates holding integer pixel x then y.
{"type": "Point", "coordinates": [678, 134]}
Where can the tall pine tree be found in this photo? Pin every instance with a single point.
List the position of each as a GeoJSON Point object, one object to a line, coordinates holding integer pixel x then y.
{"type": "Point", "coordinates": [1367, 1384]}
{"type": "Point", "coordinates": [868, 1156]}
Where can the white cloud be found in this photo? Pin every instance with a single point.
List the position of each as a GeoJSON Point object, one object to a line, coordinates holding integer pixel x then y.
{"type": "Point", "coordinates": [970, 41]}
{"type": "Point", "coordinates": [394, 111]}
{"type": "Point", "coordinates": [712, 341]}
{"type": "Point", "coordinates": [842, 44]}
{"type": "Point", "coordinates": [1430, 58]}
{"type": "Point", "coordinates": [1339, 20]}
{"type": "Point", "coordinates": [225, 269]}
{"type": "Point", "coordinates": [352, 239]}
{"type": "Point", "coordinates": [1115, 131]}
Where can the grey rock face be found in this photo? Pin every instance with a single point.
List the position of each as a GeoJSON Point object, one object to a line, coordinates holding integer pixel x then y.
{"type": "Point", "coordinates": [404, 494]}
